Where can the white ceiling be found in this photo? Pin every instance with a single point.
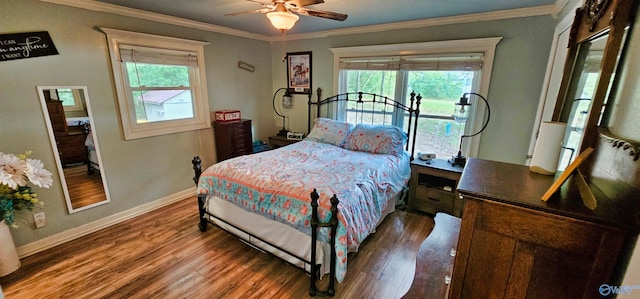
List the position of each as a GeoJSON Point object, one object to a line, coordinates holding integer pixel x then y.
{"type": "Point", "coordinates": [361, 12]}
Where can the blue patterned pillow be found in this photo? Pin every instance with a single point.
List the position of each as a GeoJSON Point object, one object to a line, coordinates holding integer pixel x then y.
{"type": "Point", "coordinates": [330, 131]}
{"type": "Point", "coordinates": [377, 139]}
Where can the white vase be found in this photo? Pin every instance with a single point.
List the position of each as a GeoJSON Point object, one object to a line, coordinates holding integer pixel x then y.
{"type": "Point", "coordinates": [9, 260]}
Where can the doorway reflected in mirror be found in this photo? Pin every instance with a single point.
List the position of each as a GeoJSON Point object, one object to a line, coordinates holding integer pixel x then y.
{"type": "Point", "coordinates": [67, 112]}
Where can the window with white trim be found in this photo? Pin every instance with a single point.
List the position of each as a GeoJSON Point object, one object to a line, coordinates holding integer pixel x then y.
{"type": "Point", "coordinates": [440, 72]}
{"type": "Point", "coordinates": [70, 99]}
{"type": "Point", "coordinates": [160, 83]}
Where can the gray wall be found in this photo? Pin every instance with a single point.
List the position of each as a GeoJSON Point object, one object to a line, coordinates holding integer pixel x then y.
{"type": "Point", "coordinates": [138, 171]}
{"type": "Point", "coordinates": [518, 72]}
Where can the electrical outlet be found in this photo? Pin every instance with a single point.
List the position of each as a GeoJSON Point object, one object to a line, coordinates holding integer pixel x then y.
{"type": "Point", "coordinates": [39, 219]}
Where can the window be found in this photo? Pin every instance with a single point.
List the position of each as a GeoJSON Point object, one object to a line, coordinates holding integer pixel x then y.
{"type": "Point", "coordinates": [160, 83]}
{"type": "Point", "coordinates": [70, 99]}
{"type": "Point", "coordinates": [440, 71]}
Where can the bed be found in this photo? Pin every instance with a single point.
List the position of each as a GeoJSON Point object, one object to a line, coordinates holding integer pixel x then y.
{"type": "Point", "coordinates": [83, 124]}
{"type": "Point", "coordinates": [78, 121]}
{"type": "Point", "coordinates": [92, 155]}
{"type": "Point", "coordinates": [313, 202]}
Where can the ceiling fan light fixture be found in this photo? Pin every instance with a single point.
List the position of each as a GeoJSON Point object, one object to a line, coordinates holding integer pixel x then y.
{"type": "Point", "coordinates": [282, 20]}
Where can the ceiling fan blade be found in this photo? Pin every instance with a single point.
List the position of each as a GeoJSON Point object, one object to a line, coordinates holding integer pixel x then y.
{"type": "Point", "coordinates": [322, 14]}
{"type": "Point", "coordinates": [301, 3]}
{"type": "Point", "coordinates": [262, 10]}
{"type": "Point", "coordinates": [263, 3]}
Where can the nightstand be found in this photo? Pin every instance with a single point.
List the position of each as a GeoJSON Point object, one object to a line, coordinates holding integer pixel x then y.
{"type": "Point", "coordinates": [433, 187]}
{"type": "Point", "coordinates": [280, 141]}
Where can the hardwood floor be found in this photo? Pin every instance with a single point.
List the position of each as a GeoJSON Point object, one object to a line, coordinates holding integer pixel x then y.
{"type": "Point", "coordinates": [162, 254]}
{"type": "Point", "coordinates": [84, 189]}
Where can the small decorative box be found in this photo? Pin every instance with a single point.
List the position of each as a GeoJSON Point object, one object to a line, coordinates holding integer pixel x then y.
{"type": "Point", "coordinates": [227, 115]}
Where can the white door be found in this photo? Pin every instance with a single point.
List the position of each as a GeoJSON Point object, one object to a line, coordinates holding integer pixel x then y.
{"type": "Point", "coordinates": [553, 77]}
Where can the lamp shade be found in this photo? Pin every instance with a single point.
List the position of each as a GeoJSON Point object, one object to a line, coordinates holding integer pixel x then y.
{"type": "Point", "coordinates": [282, 20]}
{"type": "Point", "coordinates": [461, 111]}
{"type": "Point", "coordinates": [287, 102]}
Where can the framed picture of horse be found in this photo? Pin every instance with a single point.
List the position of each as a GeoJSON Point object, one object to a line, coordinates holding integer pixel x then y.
{"type": "Point", "coordinates": [299, 72]}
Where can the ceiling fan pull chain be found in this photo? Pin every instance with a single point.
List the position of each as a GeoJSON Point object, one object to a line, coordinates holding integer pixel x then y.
{"type": "Point", "coordinates": [284, 47]}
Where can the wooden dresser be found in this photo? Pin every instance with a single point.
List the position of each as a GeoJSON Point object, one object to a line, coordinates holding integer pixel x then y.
{"type": "Point", "coordinates": [513, 245]}
{"type": "Point", "coordinates": [434, 262]}
{"type": "Point", "coordinates": [72, 149]}
{"type": "Point", "coordinates": [69, 140]}
{"type": "Point", "coordinates": [56, 115]}
{"type": "Point", "coordinates": [233, 138]}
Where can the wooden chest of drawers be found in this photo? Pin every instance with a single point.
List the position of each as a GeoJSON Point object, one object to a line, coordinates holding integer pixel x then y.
{"type": "Point", "coordinates": [72, 149]}
{"type": "Point", "coordinates": [56, 115]}
{"type": "Point", "coordinates": [233, 138]}
{"type": "Point", "coordinates": [514, 245]}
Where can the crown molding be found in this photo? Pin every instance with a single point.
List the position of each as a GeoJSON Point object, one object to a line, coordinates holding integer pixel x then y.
{"type": "Point", "coordinates": [470, 18]}
{"type": "Point", "coordinates": [559, 5]}
{"type": "Point", "coordinates": [151, 16]}
{"type": "Point", "coordinates": [553, 10]}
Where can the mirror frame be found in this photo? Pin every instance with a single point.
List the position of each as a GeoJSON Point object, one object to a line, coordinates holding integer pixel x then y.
{"type": "Point", "coordinates": [595, 19]}
{"type": "Point", "coordinates": [54, 146]}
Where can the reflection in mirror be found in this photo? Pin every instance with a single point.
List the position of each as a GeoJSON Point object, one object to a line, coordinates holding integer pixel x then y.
{"type": "Point", "coordinates": [604, 114]}
{"type": "Point", "coordinates": [69, 121]}
{"type": "Point", "coordinates": [581, 90]}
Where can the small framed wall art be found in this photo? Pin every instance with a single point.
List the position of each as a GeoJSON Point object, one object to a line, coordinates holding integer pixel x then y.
{"type": "Point", "coordinates": [299, 72]}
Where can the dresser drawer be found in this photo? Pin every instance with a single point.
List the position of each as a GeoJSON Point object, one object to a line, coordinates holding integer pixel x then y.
{"type": "Point", "coordinates": [431, 200]}
{"type": "Point", "coordinates": [242, 148]}
{"type": "Point", "coordinates": [71, 140]}
{"type": "Point", "coordinates": [241, 137]}
{"type": "Point", "coordinates": [242, 128]}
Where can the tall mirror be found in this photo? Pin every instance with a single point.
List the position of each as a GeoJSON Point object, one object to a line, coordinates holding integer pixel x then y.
{"type": "Point", "coordinates": [595, 46]}
{"type": "Point", "coordinates": [581, 91]}
{"type": "Point", "coordinates": [67, 112]}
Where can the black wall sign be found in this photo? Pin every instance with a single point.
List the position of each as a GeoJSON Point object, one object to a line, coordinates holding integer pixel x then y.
{"type": "Point", "coordinates": [26, 45]}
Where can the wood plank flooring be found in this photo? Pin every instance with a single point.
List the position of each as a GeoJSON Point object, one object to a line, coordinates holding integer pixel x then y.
{"type": "Point", "coordinates": [162, 254]}
{"type": "Point", "coordinates": [84, 189]}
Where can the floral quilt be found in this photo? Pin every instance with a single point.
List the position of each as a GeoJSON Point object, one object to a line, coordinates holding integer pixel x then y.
{"type": "Point", "coordinates": [277, 184]}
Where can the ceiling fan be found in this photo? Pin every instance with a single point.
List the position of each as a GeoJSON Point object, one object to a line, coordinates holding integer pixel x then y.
{"type": "Point", "coordinates": [281, 12]}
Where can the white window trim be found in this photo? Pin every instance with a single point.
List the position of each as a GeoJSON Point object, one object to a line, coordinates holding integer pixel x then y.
{"type": "Point", "coordinates": [76, 100]}
{"type": "Point", "coordinates": [487, 46]}
{"type": "Point", "coordinates": [131, 129]}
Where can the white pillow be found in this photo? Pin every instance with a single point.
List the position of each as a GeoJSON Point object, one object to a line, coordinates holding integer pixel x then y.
{"type": "Point", "coordinates": [330, 131]}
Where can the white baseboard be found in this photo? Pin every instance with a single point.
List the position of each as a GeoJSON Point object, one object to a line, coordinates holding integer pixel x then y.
{"type": "Point", "coordinates": [83, 230]}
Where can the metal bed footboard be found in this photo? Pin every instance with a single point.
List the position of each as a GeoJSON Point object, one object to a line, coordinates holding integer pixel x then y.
{"type": "Point", "coordinates": [314, 272]}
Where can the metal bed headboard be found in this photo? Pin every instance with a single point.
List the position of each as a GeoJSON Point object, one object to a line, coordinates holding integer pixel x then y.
{"type": "Point", "coordinates": [383, 107]}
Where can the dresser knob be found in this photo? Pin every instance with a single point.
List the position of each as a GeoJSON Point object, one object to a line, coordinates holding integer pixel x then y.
{"type": "Point", "coordinates": [453, 252]}
{"type": "Point", "coordinates": [447, 279]}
